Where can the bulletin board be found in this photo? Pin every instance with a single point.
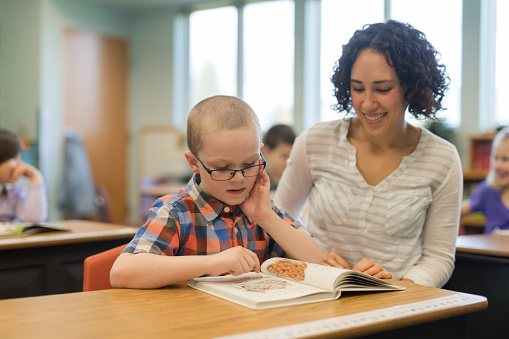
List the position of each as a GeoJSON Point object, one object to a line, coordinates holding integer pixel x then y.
{"type": "Point", "coordinates": [161, 153]}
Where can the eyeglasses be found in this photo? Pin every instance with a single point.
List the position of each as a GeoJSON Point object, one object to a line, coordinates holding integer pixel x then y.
{"type": "Point", "coordinates": [228, 174]}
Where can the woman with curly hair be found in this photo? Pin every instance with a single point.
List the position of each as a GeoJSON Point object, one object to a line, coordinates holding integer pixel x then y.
{"type": "Point", "coordinates": [379, 187]}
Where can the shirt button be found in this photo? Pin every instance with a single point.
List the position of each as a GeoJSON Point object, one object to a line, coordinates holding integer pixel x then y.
{"type": "Point", "coordinates": [227, 209]}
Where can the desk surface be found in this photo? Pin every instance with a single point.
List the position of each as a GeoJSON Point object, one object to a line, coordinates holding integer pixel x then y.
{"type": "Point", "coordinates": [80, 231]}
{"type": "Point", "coordinates": [182, 312]}
{"type": "Point", "coordinates": [486, 244]}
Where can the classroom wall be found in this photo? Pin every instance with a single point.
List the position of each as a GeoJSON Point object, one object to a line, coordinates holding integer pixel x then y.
{"type": "Point", "coordinates": [151, 86]}
{"type": "Point", "coordinates": [31, 75]}
{"type": "Point", "coordinates": [20, 65]}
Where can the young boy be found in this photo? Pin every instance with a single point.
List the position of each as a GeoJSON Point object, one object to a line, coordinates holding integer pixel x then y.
{"type": "Point", "coordinates": [277, 144]}
{"type": "Point", "coordinates": [220, 223]}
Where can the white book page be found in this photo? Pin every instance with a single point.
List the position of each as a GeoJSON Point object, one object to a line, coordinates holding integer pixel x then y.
{"type": "Point", "coordinates": [321, 276]}
{"type": "Point", "coordinates": [256, 286]}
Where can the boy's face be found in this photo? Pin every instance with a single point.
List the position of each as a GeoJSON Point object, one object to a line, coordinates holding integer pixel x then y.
{"type": "Point", "coordinates": [233, 149]}
{"type": "Point", "coordinates": [276, 158]}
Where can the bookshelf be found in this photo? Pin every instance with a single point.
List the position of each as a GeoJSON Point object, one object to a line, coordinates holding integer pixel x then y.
{"type": "Point", "coordinates": [479, 164]}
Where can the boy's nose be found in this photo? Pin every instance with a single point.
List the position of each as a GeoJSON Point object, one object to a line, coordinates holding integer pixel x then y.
{"type": "Point", "coordinates": [237, 175]}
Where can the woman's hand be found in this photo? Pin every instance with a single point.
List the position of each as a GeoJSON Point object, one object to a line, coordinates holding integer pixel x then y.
{"type": "Point", "coordinates": [369, 267]}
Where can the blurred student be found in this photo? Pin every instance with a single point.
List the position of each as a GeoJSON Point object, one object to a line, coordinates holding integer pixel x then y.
{"type": "Point", "coordinates": [17, 202]}
{"type": "Point", "coordinates": [491, 197]}
{"type": "Point", "coordinates": [223, 222]}
{"type": "Point", "coordinates": [277, 144]}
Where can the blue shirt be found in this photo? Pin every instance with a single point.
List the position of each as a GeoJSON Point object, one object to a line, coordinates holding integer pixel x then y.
{"type": "Point", "coordinates": [487, 200]}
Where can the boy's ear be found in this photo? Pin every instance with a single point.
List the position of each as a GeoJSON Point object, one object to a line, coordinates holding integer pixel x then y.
{"type": "Point", "coordinates": [192, 161]}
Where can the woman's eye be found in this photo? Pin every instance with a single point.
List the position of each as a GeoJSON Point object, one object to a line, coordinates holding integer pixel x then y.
{"type": "Point", "coordinates": [384, 90]}
{"type": "Point", "coordinates": [249, 165]}
{"type": "Point", "coordinates": [357, 89]}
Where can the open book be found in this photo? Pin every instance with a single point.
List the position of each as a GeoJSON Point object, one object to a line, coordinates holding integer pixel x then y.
{"type": "Point", "coordinates": [24, 228]}
{"type": "Point", "coordinates": [284, 282]}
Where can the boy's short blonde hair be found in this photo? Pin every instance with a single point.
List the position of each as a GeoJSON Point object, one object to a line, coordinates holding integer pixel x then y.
{"type": "Point", "coordinates": [219, 113]}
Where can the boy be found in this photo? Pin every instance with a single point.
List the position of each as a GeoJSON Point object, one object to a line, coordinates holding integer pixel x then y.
{"type": "Point", "coordinates": [220, 223]}
{"type": "Point", "coordinates": [277, 144]}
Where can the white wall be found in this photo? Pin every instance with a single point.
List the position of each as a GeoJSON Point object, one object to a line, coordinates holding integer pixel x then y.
{"type": "Point", "coordinates": [31, 71]}
{"type": "Point", "coordinates": [19, 66]}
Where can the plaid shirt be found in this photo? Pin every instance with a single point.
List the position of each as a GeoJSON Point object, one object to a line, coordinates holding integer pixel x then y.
{"type": "Point", "coordinates": [194, 223]}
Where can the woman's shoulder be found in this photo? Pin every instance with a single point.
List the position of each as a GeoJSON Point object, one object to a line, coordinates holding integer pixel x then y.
{"type": "Point", "coordinates": [437, 147]}
{"type": "Point", "coordinates": [328, 129]}
{"type": "Point", "coordinates": [436, 141]}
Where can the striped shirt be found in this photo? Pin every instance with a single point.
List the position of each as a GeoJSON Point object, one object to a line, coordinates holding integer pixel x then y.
{"type": "Point", "coordinates": [408, 222]}
{"type": "Point", "coordinates": [195, 223]}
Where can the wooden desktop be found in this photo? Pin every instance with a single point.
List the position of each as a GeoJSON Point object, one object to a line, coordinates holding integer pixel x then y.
{"type": "Point", "coordinates": [49, 263]}
{"type": "Point", "coordinates": [179, 311]}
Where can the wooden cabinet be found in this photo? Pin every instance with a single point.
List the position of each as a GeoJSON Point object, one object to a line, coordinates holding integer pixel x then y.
{"type": "Point", "coordinates": [479, 164]}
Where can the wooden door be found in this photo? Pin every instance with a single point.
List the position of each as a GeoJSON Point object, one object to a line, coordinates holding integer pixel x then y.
{"type": "Point", "coordinates": [96, 85]}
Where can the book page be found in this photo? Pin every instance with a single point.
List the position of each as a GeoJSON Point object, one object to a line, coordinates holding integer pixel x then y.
{"type": "Point", "coordinates": [255, 286]}
{"type": "Point", "coordinates": [321, 276]}
{"type": "Point", "coordinates": [325, 277]}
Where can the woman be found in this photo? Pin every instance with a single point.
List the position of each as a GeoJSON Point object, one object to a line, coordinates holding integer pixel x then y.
{"type": "Point", "coordinates": [379, 187]}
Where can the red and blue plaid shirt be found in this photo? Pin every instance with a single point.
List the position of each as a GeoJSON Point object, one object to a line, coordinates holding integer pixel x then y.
{"type": "Point", "coordinates": [194, 223]}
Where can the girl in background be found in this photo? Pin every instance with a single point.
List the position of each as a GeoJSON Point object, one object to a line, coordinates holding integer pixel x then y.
{"type": "Point", "coordinates": [491, 197]}
{"type": "Point", "coordinates": [17, 202]}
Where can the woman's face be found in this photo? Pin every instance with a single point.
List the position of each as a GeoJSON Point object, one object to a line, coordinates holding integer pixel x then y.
{"type": "Point", "coordinates": [501, 164]}
{"type": "Point", "coordinates": [377, 96]}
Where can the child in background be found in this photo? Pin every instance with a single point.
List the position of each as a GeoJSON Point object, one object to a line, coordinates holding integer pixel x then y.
{"type": "Point", "coordinates": [223, 222]}
{"type": "Point", "coordinates": [491, 197]}
{"type": "Point", "coordinates": [277, 144]}
{"type": "Point", "coordinates": [16, 204]}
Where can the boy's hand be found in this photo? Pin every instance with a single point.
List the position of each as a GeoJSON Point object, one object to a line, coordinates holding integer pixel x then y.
{"type": "Point", "coordinates": [258, 205]}
{"type": "Point", "coordinates": [234, 261]}
{"type": "Point", "coordinates": [335, 260]}
{"type": "Point", "coordinates": [26, 170]}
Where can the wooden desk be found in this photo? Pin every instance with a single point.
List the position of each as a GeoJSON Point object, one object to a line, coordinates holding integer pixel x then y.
{"type": "Point", "coordinates": [182, 312]}
{"type": "Point", "coordinates": [484, 244]}
{"type": "Point", "coordinates": [49, 263]}
{"type": "Point", "coordinates": [482, 267]}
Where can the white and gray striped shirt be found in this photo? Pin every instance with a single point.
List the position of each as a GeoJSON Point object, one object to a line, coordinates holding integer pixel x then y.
{"type": "Point", "coordinates": [408, 222]}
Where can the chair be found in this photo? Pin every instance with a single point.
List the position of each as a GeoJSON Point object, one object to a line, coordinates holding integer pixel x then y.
{"type": "Point", "coordinates": [97, 267]}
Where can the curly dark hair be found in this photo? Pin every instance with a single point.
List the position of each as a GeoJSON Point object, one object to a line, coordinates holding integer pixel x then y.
{"type": "Point", "coordinates": [414, 59]}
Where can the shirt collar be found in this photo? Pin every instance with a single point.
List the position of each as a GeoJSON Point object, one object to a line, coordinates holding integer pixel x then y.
{"type": "Point", "coordinates": [209, 206]}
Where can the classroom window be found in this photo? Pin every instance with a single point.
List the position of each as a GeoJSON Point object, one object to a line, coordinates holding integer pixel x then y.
{"type": "Point", "coordinates": [212, 53]}
{"type": "Point", "coordinates": [444, 32]}
{"type": "Point", "coordinates": [268, 82]}
{"type": "Point", "coordinates": [340, 20]}
{"type": "Point", "coordinates": [502, 66]}
{"type": "Point", "coordinates": [264, 57]}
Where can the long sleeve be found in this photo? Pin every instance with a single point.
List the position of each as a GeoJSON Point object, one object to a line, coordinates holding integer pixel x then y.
{"type": "Point", "coordinates": [35, 207]}
{"type": "Point", "coordinates": [440, 232]}
{"type": "Point", "coordinates": [295, 185]}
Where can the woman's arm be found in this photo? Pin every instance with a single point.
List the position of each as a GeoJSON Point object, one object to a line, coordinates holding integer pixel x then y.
{"type": "Point", "coordinates": [295, 185]}
{"type": "Point", "coordinates": [440, 231]}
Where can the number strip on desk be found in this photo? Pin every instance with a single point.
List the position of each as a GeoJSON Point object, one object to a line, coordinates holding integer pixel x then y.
{"type": "Point", "coordinates": [313, 328]}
